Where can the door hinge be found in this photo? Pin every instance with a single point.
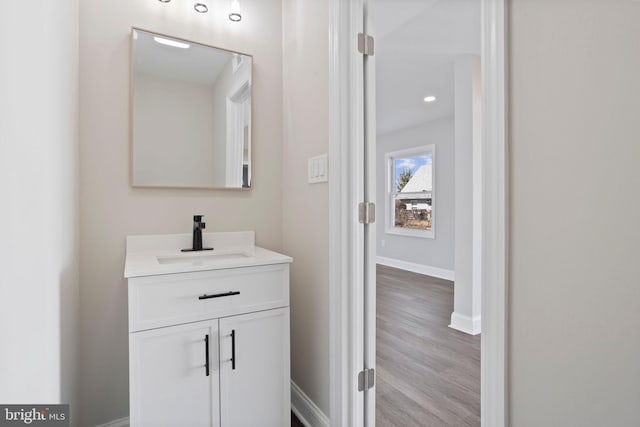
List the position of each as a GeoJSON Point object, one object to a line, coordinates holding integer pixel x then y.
{"type": "Point", "coordinates": [366, 379]}
{"type": "Point", "coordinates": [365, 44]}
{"type": "Point", "coordinates": [367, 212]}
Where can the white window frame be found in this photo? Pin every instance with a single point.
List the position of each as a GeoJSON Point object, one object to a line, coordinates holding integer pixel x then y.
{"type": "Point", "coordinates": [390, 227]}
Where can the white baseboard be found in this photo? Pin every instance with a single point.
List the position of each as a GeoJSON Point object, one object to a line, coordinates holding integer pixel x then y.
{"type": "Point", "coordinates": [121, 422]}
{"type": "Point", "coordinates": [307, 412]}
{"type": "Point", "coordinates": [427, 270]}
{"type": "Point", "coordinates": [466, 324]}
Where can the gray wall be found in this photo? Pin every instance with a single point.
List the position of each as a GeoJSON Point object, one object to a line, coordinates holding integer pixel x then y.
{"type": "Point", "coordinates": [438, 252]}
{"type": "Point", "coordinates": [110, 209]}
{"type": "Point", "coordinates": [39, 284]}
{"type": "Point", "coordinates": [175, 136]}
{"type": "Point", "coordinates": [305, 213]}
{"type": "Point", "coordinates": [574, 186]}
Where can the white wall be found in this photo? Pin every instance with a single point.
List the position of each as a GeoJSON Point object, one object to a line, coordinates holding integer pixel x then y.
{"type": "Point", "coordinates": [305, 207]}
{"type": "Point", "coordinates": [574, 235]}
{"type": "Point", "coordinates": [438, 252]}
{"type": "Point", "coordinates": [174, 134]}
{"type": "Point", "coordinates": [39, 214]}
{"type": "Point", "coordinates": [111, 209]}
{"type": "Point", "coordinates": [467, 297]}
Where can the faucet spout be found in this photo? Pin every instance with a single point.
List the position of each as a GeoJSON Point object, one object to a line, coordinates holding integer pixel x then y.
{"type": "Point", "coordinates": [198, 226]}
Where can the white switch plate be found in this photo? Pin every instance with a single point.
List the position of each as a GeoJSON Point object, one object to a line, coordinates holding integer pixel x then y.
{"type": "Point", "coordinates": [317, 169]}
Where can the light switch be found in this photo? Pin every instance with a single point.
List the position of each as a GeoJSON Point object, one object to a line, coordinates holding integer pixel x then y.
{"type": "Point", "coordinates": [317, 169]}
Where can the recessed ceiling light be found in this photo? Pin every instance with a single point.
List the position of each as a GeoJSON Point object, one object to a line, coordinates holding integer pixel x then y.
{"type": "Point", "coordinates": [234, 11]}
{"type": "Point", "coordinates": [170, 42]}
{"type": "Point", "coordinates": [429, 98]}
{"type": "Point", "coordinates": [201, 7]}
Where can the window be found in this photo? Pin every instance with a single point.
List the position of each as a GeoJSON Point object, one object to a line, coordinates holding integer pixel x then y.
{"type": "Point", "coordinates": [410, 192]}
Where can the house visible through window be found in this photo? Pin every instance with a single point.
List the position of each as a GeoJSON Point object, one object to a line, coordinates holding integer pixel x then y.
{"type": "Point", "coordinates": [410, 193]}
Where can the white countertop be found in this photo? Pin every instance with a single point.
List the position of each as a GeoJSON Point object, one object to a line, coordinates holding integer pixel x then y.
{"type": "Point", "coordinates": [161, 254]}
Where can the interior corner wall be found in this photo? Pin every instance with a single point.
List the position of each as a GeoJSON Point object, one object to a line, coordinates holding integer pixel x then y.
{"type": "Point", "coordinates": [39, 285]}
{"type": "Point", "coordinates": [574, 293]}
{"type": "Point", "coordinates": [111, 209]}
{"type": "Point", "coordinates": [305, 206]}
{"type": "Point", "coordinates": [438, 252]}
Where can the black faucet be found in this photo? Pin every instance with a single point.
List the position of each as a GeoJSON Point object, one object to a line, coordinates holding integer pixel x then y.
{"type": "Point", "coordinates": [198, 226]}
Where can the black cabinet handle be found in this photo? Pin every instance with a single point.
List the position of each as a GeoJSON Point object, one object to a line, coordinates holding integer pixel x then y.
{"type": "Point", "coordinates": [225, 294]}
{"type": "Point", "coordinates": [206, 354]}
{"type": "Point", "coordinates": [233, 349]}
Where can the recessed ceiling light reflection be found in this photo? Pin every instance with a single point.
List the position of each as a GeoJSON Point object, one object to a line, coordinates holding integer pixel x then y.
{"type": "Point", "coordinates": [173, 43]}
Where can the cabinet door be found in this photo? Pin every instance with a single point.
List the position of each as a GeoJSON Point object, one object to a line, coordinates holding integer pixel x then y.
{"type": "Point", "coordinates": [168, 376]}
{"type": "Point", "coordinates": [254, 370]}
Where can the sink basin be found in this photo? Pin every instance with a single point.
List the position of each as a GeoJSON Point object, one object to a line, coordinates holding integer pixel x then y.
{"type": "Point", "coordinates": [201, 259]}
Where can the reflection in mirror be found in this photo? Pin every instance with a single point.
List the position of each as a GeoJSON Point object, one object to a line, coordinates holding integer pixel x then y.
{"type": "Point", "coordinates": [191, 114]}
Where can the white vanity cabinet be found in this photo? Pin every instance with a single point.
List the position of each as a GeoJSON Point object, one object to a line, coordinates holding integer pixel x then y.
{"type": "Point", "coordinates": [209, 346]}
{"type": "Point", "coordinates": [254, 382]}
{"type": "Point", "coordinates": [168, 384]}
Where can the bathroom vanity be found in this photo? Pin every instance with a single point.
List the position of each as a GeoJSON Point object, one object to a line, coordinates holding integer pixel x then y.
{"type": "Point", "coordinates": [208, 332]}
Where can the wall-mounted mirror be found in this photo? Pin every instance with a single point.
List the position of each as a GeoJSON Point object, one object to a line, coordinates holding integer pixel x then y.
{"type": "Point", "coordinates": [190, 114]}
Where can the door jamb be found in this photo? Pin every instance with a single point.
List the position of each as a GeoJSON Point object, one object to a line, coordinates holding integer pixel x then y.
{"type": "Point", "coordinates": [345, 356]}
{"type": "Point", "coordinates": [343, 105]}
{"type": "Point", "coordinates": [495, 216]}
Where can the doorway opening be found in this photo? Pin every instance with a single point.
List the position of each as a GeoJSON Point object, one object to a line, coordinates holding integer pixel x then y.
{"type": "Point", "coordinates": [428, 234]}
{"type": "Point", "coordinates": [353, 242]}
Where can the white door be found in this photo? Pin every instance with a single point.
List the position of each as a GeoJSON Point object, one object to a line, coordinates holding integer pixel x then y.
{"type": "Point", "coordinates": [368, 157]}
{"type": "Point", "coordinates": [254, 369]}
{"type": "Point", "coordinates": [173, 383]}
{"type": "Point", "coordinates": [370, 229]}
{"type": "Point", "coordinates": [363, 284]}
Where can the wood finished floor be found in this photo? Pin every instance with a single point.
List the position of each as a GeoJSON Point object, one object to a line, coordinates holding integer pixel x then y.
{"type": "Point", "coordinates": [427, 373]}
